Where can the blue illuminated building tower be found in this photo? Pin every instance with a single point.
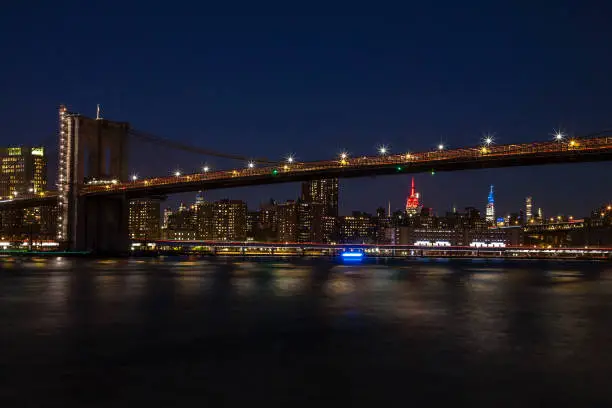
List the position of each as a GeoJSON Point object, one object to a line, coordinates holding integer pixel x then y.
{"type": "Point", "coordinates": [490, 210]}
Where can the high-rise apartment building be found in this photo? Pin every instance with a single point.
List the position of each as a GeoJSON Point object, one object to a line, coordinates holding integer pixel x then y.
{"type": "Point", "coordinates": [229, 220]}
{"type": "Point", "coordinates": [322, 191]}
{"type": "Point", "coordinates": [144, 219]}
{"type": "Point", "coordinates": [23, 170]}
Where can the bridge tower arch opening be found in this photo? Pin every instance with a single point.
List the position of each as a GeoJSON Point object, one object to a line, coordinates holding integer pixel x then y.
{"type": "Point", "coordinates": [90, 149]}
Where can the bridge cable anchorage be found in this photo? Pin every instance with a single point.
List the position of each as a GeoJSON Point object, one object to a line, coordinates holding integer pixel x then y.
{"type": "Point", "coordinates": [147, 137]}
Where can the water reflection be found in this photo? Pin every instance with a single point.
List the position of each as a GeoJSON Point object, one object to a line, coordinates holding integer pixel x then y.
{"type": "Point", "coordinates": [437, 320]}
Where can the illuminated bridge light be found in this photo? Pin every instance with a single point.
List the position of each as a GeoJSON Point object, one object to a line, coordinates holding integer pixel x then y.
{"type": "Point", "coordinates": [251, 165]}
{"type": "Point", "coordinates": [440, 146]}
{"type": "Point", "coordinates": [205, 169]}
{"type": "Point", "coordinates": [558, 135]}
{"type": "Point", "coordinates": [383, 150]}
{"type": "Point", "coordinates": [343, 155]}
{"type": "Point", "coordinates": [274, 172]}
{"type": "Point", "coordinates": [488, 139]}
{"type": "Point", "coordinates": [290, 159]}
{"type": "Point", "coordinates": [177, 173]}
{"type": "Point", "coordinates": [134, 177]}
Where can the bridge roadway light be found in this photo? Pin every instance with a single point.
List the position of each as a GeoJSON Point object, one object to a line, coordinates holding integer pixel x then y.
{"type": "Point", "coordinates": [290, 159]}
{"type": "Point", "coordinates": [344, 155]}
{"type": "Point", "coordinates": [205, 169]}
{"type": "Point", "coordinates": [134, 177]}
{"type": "Point", "coordinates": [177, 173]}
{"type": "Point", "coordinates": [251, 165]}
{"type": "Point", "coordinates": [440, 146]}
{"type": "Point", "coordinates": [558, 135]}
{"type": "Point", "coordinates": [383, 150]}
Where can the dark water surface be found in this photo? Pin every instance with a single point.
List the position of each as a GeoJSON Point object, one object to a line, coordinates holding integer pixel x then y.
{"type": "Point", "coordinates": [179, 332]}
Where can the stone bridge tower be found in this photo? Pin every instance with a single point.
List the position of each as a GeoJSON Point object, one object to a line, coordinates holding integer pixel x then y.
{"type": "Point", "coordinates": [91, 149]}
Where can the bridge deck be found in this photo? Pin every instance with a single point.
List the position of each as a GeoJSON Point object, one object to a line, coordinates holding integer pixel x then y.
{"type": "Point", "coordinates": [575, 150]}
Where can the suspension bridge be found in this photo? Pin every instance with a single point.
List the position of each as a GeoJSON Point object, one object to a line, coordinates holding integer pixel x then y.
{"type": "Point", "coordinates": [94, 187]}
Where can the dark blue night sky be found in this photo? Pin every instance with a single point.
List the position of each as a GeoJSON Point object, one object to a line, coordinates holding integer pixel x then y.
{"type": "Point", "coordinates": [313, 86]}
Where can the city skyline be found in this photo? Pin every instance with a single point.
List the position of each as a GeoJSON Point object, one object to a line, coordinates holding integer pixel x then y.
{"type": "Point", "coordinates": [353, 85]}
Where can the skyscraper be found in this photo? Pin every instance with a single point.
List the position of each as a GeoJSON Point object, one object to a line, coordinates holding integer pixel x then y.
{"type": "Point", "coordinates": [23, 170]}
{"type": "Point", "coordinates": [528, 213]}
{"type": "Point", "coordinates": [490, 209]}
{"type": "Point", "coordinates": [412, 203]}
{"type": "Point", "coordinates": [322, 191]}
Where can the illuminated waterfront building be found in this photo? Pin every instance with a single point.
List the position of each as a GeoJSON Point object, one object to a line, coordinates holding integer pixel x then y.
{"type": "Point", "coordinates": [23, 170]}
{"type": "Point", "coordinates": [36, 223]}
{"type": "Point", "coordinates": [144, 219]}
{"type": "Point", "coordinates": [490, 209]}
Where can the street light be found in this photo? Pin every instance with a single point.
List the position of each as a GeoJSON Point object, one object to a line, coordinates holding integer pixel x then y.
{"type": "Point", "coordinates": [134, 177]}
{"type": "Point", "coordinates": [290, 159]}
{"type": "Point", "coordinates": [440, 146]}
{"type": "Point", "coordinates": [205, 169]}
{"type": "Point", "coordinates": [383, 150]}
{"type": "Point", "coordinates": [177, 173]}
{"type": "Point", "coordinates": [344, 155]}
{"type": "Point", "coordinates": [251, 165]}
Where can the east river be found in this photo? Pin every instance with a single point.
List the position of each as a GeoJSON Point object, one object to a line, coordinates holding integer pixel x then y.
{"type": "Point", "coordinates": [212, 332]}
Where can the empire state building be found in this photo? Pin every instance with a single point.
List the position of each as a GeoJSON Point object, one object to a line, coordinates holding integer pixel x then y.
{"type": "Point", "coordinates": [412, 203]}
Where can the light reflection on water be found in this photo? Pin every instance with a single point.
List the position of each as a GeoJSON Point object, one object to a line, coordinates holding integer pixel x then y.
{"type": "Point", "coordinates": [450, 318]}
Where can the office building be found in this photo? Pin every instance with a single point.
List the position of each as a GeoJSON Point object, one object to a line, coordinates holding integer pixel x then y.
{"type": "Point", "coordinates": [528, 212]}
{"type": "Point", "coordinates": [322, 191]}
{"type": "Point", "coordinates": [357, 228]}
{"type": "Point", "coordinates": [23, 170]}
{"type": "Point", "coordinates": [287, 218]}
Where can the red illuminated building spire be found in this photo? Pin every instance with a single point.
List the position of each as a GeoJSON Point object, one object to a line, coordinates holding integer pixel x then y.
{"type": "Point", "coordinates": [412, 203]}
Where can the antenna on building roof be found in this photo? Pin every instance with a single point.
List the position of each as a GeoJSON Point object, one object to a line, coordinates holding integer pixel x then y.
{"type": "Point", "coordinates": [98, 117]}
{"type": "Point", "coordinates": [389, 213]}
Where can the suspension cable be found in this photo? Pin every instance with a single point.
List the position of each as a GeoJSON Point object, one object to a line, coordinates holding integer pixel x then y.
{"type": "Point", "coordinates": [147, 137]}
